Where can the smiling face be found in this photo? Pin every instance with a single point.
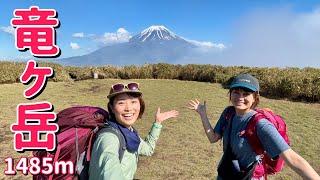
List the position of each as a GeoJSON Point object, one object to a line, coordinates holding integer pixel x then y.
{"type": "Point", "coordinates": [242, 100]}
{"type": "Point", "coordinates": [126, 109]}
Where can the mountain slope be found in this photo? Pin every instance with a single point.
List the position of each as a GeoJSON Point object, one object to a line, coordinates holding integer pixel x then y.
{"type": "Point", "coordinates": [154, 44]}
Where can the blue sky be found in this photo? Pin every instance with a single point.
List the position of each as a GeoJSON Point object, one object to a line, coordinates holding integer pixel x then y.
{"type": "Point", "coordinates": [238, 25]}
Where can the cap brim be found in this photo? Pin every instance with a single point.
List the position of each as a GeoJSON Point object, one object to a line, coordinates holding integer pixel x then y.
{"type": "Point", "coordinates": [239, 85]}
{"type": "Point", "coordinates": [121, 92]}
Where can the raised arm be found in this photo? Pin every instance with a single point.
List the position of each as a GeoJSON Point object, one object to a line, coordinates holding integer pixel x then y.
{"type": "Point", "coordinates": [299, 165]}
{"type": "Point", "coordinates": [148, 145]}
{"type": "Point", "coordinates": [275, 145]}
{"type": "Point", "coordinates": [201, 110]}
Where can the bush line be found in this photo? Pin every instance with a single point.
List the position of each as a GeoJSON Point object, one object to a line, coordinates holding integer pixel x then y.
{"type": "Point", "coordinates": [291, 83]}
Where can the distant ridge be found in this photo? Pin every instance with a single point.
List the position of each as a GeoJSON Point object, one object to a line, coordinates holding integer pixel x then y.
{"type": "Point", "coordinates": [152, 45]}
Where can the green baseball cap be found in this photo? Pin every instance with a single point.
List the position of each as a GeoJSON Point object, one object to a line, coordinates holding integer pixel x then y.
{"type": "Point", "coordinates": [245, 81]}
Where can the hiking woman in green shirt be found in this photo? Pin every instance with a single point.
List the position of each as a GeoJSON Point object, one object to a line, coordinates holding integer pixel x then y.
{"type": "Point", "coordinates": [125, 106]}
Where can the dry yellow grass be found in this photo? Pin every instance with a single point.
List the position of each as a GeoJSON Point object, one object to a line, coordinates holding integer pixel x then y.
{"type": "Point", "coordinates": [183, 151]}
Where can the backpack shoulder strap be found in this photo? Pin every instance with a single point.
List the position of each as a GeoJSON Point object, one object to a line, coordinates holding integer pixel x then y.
{"type": "Point", "coordinates": [251, 132]}
{"type": "Point", "coordinates": [122, 148]}
{"type": "Point", "coordinates": [228, 114]}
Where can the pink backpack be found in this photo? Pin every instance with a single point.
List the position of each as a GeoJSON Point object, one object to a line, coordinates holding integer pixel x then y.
{"type": "Point", "coordinates": [78, 127]}
{"type": "Point", "coordinates": [268, 165]}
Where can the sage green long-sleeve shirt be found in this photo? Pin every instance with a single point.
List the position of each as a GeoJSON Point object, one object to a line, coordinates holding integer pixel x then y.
{"type": "Point", "coordinates": [105, 163]}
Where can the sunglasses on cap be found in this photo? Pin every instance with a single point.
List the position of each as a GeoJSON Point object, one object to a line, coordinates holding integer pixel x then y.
{"type": "Point", "coordinates": [133, 86]}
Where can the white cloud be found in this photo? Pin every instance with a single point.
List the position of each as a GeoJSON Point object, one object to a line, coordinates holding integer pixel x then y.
{"type": "Point", "coordinates": [208, 44]}
{"type": "Point", "coordinates": [122, 35]}
{"type": "Point", "coordinates": [74, 46]}
{"type": "Point", "coordinates": [78, 35]}
{"type": "Point", "coordinates": [108, 38]}
{"type": "Point", "coordinates": [122, 31]}
{"type": "Point", "coordinates": [276, 37]}
{"type": "Point", "coordinates": [307, 24]}
{"type": "Point", "coordinates": [8, 29]}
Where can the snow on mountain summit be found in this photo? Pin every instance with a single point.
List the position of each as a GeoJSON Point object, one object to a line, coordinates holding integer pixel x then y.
{"type": "Point", "coordinates": [153, 45]}
{"type": "Point", "coordinates": [154, 32]}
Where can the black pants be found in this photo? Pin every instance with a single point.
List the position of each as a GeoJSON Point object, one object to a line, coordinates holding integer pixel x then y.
{"type": "Point", "coordinates": [229, 168]}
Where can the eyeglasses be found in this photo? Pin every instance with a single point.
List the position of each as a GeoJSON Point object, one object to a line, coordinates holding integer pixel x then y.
{"type": "Point", "coordinates": [133, 86]}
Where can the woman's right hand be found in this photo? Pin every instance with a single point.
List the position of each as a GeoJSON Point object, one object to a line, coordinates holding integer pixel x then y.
{"type": "Point", "coordinates": [197, 106]}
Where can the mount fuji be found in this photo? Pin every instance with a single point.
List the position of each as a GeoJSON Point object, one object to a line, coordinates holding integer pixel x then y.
{"type": "Point", "coordinates": [153, 45]}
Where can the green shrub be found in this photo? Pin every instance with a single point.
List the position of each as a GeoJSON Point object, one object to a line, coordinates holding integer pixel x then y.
{"type": "Point", "coordinates": [291, 83]}
{"type": "Point", "coordinates": [165, 71]}
{"type": "Point", "coordinates": [79, 73]}
{"type": "Point", "coordinates": [60, 74]}
{"type": "Point", "coordinates": [107, 72]}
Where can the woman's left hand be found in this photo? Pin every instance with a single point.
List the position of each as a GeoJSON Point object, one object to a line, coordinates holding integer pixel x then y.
{"type": "Point", "coordinates": [160, 117]}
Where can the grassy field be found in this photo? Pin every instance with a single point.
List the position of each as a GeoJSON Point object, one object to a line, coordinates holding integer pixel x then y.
{"type": "Point", "coordinates": [183, 151]}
